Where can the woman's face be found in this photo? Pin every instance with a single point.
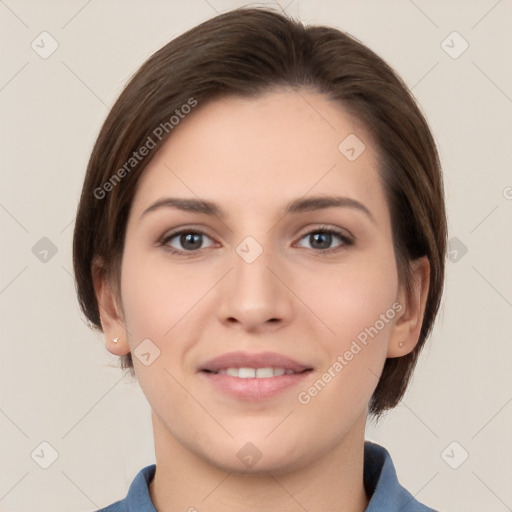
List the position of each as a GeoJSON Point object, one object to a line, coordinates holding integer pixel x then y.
{"type": "Point", "coordinates": [258, 282]}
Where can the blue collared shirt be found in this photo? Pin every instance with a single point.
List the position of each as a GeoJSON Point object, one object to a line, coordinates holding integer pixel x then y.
{"type": "Point", "coordinates": [380, 481]}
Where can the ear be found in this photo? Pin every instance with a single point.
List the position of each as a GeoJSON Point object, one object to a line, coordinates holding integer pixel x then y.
{"type": "Point", "coordinates": [408, 322]}
{"type": "Point", "coordinates": [111, 316]}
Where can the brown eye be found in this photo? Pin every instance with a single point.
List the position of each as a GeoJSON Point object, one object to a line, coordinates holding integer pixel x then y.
{"type": "Point", "coordinates": [322, 239]}
{"type": "Point", "coordinates": [185, 241]}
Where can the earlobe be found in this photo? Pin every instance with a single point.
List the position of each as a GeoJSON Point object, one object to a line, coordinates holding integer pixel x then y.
{"type": "Point", "coordinates": [112, 322]}
{"type": "Point", "coordinates": [407, 328]}
{"type": "Point", "coordinates": [117, 346]}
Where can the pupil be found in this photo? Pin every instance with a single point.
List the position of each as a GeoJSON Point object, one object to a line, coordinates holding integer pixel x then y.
{"type": "Point", "coordinates": [324, 240]}
{"type": "Point", "coordinates": [187, 241]}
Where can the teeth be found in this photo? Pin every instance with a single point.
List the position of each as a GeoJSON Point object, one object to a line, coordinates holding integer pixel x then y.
{"type": "Point", "coordinates": [258, 373]}
{"type": "Point", "coordinates": [246, 373]}
{"type": "Point", "coordinates": [264, 372]}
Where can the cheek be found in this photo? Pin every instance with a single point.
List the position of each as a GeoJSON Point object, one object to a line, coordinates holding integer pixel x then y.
{"type": "Point", "coordinates": [165, 302]}
{"type": "Point", "coordinates": [352, 297]}
{"type": "Point", "coordinates": [152, 302]}
{"type": "Point", "coordinates": [356, 307]}
{"type": "Point", "coordinates": [358, 315]}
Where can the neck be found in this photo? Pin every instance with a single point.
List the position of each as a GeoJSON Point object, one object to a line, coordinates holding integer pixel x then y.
{"type": "Point", "coordinates": [184, 481]}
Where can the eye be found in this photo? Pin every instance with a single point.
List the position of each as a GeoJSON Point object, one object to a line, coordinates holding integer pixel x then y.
{"type": "Point", "coordinates": [189, 241]}
{"type": "Point", "coordinates": [185, 241]}
{"type": "Point", "coordinates": [322, 239]}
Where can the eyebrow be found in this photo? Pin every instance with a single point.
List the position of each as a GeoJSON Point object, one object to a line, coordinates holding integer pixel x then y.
{"type": "Point", "coordinates": [296, 206]}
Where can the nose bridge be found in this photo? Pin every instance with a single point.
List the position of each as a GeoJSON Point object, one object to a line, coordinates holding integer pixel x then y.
{"type": "Point", "coordinates": [252, 294]}
{"type": "Point", "coordinates": [251, 273]}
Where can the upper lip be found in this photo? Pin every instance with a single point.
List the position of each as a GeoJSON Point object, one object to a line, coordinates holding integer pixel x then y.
{"type": "Point", "coordinates": [253, 360]}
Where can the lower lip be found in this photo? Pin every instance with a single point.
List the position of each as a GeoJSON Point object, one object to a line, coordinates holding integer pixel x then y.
{"type": "Point", "coordinates": [254, 388]}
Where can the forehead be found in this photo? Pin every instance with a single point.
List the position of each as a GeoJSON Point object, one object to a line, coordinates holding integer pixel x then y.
{"type": "Point", "coordinates": [271, 149]}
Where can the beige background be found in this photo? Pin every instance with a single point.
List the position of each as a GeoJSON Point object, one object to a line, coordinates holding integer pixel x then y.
{"type": "Point", "coordinates": [56, 386]}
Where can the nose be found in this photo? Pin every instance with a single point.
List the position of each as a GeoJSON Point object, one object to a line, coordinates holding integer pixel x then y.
{"type": "Point", "coordinates": [254, 296]}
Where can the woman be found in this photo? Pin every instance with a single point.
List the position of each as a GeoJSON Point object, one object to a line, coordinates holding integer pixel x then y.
{"type": "Point", "coordinates": [261, 239]}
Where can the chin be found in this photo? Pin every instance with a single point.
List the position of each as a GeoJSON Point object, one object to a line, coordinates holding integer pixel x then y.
{"type": "Point", "coordinates": [263, 466]}
{"type": "Point", "coordinates": [253, 455]}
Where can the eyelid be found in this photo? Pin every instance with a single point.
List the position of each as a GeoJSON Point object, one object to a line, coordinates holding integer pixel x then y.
{"type": "Point", "coordinates": [342, 232]}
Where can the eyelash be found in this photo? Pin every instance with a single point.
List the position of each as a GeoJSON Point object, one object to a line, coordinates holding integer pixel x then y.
{"type": "Point", "coordinates": [347, 241]}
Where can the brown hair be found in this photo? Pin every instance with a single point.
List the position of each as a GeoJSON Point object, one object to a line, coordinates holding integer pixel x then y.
{"type": "Point", "coordinates": [247, 52]}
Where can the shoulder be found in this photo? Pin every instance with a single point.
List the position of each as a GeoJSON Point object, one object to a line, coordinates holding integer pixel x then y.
{"type": "Point", "coordinates": [382, 485]}
{"type": "Point", "coordinates": [138, 498]}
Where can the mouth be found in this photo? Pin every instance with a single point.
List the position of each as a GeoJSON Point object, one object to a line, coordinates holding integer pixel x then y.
{"type": "Point", "coordinates": [247, 365]}
{"type": "Point", "coordinates": [256, 373]}
{"type": "Point", "coordinates": [256, 376]}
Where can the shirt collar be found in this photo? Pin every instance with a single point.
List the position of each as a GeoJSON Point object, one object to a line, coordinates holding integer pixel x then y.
{"type": "Point", "coordinates": [380, 481]}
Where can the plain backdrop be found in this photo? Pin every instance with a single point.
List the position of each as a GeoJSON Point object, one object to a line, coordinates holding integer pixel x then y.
{"type": "Point", "coordinates": [450, 438]}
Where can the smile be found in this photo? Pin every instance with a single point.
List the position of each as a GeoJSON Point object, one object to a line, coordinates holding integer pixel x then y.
{"type": "Point", "coordinates": [255, 373]}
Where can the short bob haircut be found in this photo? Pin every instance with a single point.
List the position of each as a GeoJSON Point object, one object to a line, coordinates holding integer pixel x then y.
{"type": "Point", "coordinates": [248, 52]}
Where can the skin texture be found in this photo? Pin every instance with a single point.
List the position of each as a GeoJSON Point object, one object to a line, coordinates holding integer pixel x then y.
{"type": "Point", "coordinates": [252, 157]}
